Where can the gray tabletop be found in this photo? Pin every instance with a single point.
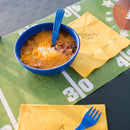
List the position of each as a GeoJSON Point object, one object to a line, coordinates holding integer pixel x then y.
{"type": "Point", "coordinates": [15, 14]}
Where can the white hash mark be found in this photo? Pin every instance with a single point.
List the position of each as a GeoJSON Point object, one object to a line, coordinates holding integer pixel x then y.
{"type": "Point", "coordinates": [108, 12]}
{"type": "Point", "coordinates": [109, 19]}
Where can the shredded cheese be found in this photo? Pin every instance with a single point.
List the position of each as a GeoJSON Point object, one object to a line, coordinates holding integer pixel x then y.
{"type": "Point", "coordinates": [38, 52]}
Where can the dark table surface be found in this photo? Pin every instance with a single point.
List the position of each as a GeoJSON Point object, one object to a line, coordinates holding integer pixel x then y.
{"type": "Point", "coordinates": [115, 94]}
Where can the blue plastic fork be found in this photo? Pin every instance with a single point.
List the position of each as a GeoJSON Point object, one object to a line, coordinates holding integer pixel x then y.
{"type": "Point", "coordinates": [89, 119]}
{"type": "Point", "coordinates": [58, 19]}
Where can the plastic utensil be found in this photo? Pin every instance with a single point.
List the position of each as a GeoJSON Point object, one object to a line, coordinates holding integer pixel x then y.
{"type": "Point", "coordinates": [89, 119]}
{"type": "Point", "coordinates": [56, 27]}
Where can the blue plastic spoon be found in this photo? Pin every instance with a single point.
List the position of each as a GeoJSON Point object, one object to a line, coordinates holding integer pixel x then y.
{"type": "Point", "coordinates": [56, 27]}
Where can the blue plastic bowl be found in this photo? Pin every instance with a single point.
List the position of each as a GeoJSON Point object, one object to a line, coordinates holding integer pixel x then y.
{"type": "Point", "coordinates": [36, 29]}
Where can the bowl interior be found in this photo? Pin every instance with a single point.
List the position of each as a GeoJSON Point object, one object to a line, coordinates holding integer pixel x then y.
{"type": "Point", "coordinates": [38, 28]}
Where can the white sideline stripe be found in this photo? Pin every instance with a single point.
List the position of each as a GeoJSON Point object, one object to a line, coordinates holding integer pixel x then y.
{"type": "Point", "coordinates": [71, 81]}
{"type": "Point", "coordinates": [124, 55]}
{"type": "Point", "coordinates": [75, 13]}
{"type": "Point", "coordinates": [8, 110]}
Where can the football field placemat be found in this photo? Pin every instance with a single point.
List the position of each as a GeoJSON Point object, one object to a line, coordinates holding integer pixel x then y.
{"type": "Point", "coordinates": [19, 86]}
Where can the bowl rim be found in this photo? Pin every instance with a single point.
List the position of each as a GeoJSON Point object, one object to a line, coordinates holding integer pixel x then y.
{"type": "Point", "coordinates": [49, 69]}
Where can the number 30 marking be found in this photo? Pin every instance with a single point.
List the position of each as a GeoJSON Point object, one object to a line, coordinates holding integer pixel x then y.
{"type": "Point", "coordinates": [71, 93]}
{"type": "Point", "coordinates": [84, 84]}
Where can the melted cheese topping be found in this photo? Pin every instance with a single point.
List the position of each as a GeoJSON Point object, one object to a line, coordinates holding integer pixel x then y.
{"type": "Point", "coordinates": [38, 51]}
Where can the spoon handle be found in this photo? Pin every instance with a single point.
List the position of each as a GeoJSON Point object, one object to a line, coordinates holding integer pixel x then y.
{"type": "Point", "coordinates": [56, 27]}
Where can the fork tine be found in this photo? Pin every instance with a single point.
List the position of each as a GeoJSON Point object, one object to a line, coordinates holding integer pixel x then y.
{"type": "Point", "coordinates": [95, 114]}
{"type": "Point", "coordinates": [89, 110]}
{"type": "Point", "coordinates": [92, 112]}
{"type": "Point", "coordinates": [89, 119]}
{"type": "Point", "coordinates": [97, 118]}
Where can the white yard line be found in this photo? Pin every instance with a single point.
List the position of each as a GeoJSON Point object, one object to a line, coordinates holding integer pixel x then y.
{"type": "Point", "coordinates": [74, 12]}
{"type": "Point", "coordinates": [75, 86]}
{"type": "Point", "coordinates": [70, 80]}
{"type": "Point", "coordinates": [8, 110]}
